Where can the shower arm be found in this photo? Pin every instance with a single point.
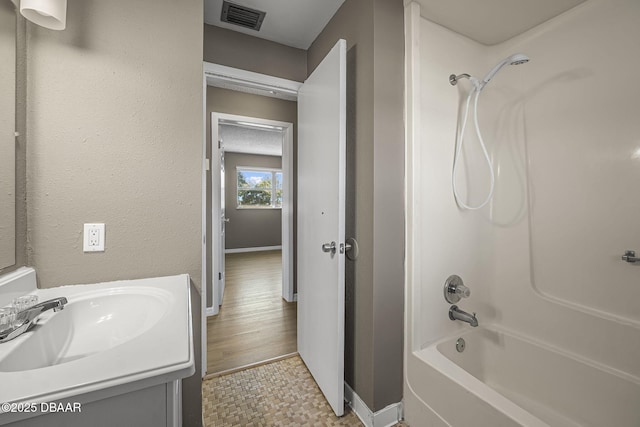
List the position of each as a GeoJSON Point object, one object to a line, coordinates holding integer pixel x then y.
{"type": "Point", "coordinates": [453, 79]}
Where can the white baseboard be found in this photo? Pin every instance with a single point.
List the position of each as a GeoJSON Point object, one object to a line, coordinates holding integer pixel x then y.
{"type": "Point", "coordinates": [385, 417]}
{"type": "Point", "coordinates": [257, 249]}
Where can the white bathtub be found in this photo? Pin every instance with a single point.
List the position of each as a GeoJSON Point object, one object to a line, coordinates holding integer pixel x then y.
{"type": "Point", "coordinates": [501, 379]}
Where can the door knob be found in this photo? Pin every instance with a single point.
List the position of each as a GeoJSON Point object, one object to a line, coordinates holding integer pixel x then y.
{"type": "Point", "coordinates": [329, 247]}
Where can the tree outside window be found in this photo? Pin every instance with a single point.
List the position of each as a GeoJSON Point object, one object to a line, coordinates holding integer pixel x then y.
{"type": "Point", "coordinates": [259, 188]}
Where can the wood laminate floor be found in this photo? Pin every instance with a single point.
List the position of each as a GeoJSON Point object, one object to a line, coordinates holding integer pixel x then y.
{"type": "Point", "coordinates": [254, 324]}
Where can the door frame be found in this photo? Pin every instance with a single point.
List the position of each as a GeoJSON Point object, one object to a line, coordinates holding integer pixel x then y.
{"type": "Point", "coordinates": [245, 81]}
{"type": "Point", "coordinates": [287, 203]}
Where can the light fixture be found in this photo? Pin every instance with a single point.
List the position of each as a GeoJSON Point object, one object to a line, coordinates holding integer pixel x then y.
{"type": "Point", "coordinates": [50, 14]}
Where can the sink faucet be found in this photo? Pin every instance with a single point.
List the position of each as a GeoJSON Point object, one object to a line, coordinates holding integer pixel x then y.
{"type": "Point", "coordinates": [456, 314]}
{"type": "Point", "coordinates": [25, 318]}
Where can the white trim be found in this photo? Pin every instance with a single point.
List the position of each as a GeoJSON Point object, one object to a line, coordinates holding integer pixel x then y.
{"type": "Point", "coordinates": [385, 417]}
{"type": "Point", "coordinates": [287, 199]}
{"type": "Point", "coordinates": [216, 224]}
{"type": "Point", "coordinates": [257, 208]}
{"type": "Point", "coordinates": [255, 249]}
{"type": "Point", "coordinates": [203, 283]}
{"type": "Point", "coordinates": [236, 79]}
{"type": "Point", "coordinates": [287, 215]}
{"type": "Point", "coordinates": [258, 168]}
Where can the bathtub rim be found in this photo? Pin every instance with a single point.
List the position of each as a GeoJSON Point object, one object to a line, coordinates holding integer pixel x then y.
{"type": "Point", "coordinates": [433, 358]}
{"type": "Point", "coordinates": [430, 355]}
{"type": "Point", "coordinates": [538, 343]}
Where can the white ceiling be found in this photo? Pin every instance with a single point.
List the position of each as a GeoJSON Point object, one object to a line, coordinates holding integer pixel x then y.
{"type": "Point", "coordinates": [250, 140]}
{"type": "Point", "coordinates": [492, 21]}
{"type": "Point", "coordinates": [294, 23]}
{"type": "Point", "coordinates": [298, 22]}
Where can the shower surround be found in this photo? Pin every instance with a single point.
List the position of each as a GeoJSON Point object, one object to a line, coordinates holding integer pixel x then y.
{"type": "Point", "coordinates": [543, 258]}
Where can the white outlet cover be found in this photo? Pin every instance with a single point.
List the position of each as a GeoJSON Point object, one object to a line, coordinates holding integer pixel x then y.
{"type": "Point", "coordinates": [93, 237]}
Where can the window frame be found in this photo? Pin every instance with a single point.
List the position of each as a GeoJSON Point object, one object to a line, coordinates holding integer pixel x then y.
{"type": "Point", "coordinates": [274, 187]}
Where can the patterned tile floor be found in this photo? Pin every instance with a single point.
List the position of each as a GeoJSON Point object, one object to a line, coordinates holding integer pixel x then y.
{"type": "Point", "coordinates": [282, 393]}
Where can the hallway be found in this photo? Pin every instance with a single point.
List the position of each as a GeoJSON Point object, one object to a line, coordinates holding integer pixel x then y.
{"type": "Point", "coordinates": [254, 324]}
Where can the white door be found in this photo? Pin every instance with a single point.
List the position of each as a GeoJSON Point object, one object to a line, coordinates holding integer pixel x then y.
{"type": "Point", "coordinates": [223, 221]}
{"type": "Point", "coordinates": [321, 223]}
{"type": "Point", "coordinates": [218, 222]}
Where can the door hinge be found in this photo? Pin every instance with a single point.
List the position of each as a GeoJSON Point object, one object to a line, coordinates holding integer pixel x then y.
{"type": "Point", "coordinates": [219, 276]}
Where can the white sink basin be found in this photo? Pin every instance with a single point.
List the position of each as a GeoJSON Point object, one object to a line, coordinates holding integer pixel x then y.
{"type": "Point", "coordinates": [90, 323]}
{"type": "Point", "coordinates": [122, 335]}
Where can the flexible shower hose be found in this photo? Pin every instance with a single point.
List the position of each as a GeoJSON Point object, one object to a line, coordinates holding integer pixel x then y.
{"type": "Point", "coordinates": [459, 143]}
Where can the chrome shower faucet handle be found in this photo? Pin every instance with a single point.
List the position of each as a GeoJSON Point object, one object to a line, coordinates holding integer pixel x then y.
{"type": "Point", "coordinates": [455, 290]}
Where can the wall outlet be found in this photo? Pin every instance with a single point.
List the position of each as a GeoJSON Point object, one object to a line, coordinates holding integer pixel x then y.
{"type": "Point", "coordinates": [93, 238]}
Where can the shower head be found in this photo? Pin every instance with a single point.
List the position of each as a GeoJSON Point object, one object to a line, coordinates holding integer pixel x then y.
{"type": "Point", "coordinates": [515, 59]}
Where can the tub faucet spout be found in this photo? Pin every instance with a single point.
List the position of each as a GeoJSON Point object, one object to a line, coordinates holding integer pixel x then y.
{"type": "Point", "coordinates": [456, 314]}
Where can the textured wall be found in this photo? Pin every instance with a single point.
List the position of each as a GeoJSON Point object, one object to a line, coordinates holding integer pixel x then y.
{"type": "Point", "coordinates": [115, 137]}
{"type": "Point", "coordinates": [249, 228]}
{"type": "Point", "coordinates": [114, 122]}
{"type": "Point", "coordinates": [234, 49]}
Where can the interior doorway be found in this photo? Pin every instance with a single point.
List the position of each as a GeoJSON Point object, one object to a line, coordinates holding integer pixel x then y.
{"type": "Point", "coordinates": [321, 113]}
{"type": "Point", "coordinates": [254, 197]}
{"type": "Point", "coordinates": [252, 317]}
{"type": "Point", "coordinates": [243, 96]}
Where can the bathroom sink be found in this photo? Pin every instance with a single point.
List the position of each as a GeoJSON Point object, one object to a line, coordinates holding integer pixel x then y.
{"type": "Point", "coordinates": [89, 324]}
{"type": "Point", "coordinates": [111, 337]}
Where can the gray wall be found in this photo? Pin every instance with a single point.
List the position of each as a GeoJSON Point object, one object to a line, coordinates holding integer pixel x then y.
{"type": "Point", "coordinates": [375, 142]}
{"type": "Point", "coordinates": [114, 132]}
{"type": "Point", "coordinates": [388, 200]}
{"type": "Point", "coordinates": [238, 50]}
{"type": "Point", "coordinates": [249, 228]}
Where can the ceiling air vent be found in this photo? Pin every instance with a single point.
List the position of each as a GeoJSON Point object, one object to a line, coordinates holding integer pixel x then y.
{"type": "Point", "coordinates": [242, 16]}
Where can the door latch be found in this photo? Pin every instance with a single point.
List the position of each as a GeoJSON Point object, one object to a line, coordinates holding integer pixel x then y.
{"type": "Point", "coordinates": [630, 256]}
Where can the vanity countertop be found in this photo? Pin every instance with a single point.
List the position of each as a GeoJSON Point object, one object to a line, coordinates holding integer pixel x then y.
{"type": "Point", "coordinates": [111, 338]}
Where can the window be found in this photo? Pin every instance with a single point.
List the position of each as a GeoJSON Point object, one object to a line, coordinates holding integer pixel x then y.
{"type": "Point", "coordinates": [259, 188]}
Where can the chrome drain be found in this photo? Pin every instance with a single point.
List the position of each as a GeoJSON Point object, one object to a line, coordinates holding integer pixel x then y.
{"type": "Point", "coordinates": [460, 345]}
